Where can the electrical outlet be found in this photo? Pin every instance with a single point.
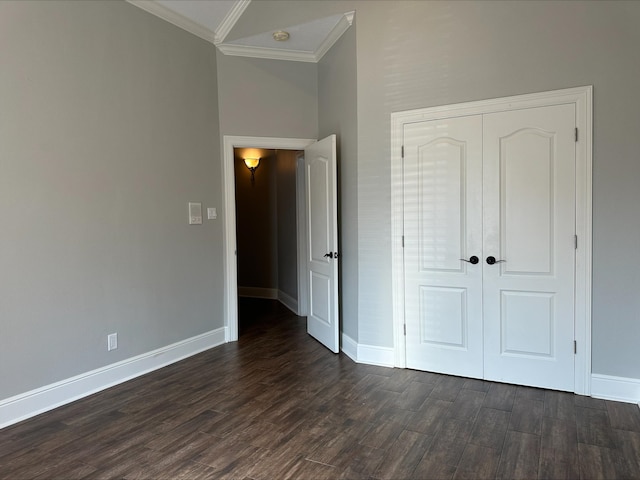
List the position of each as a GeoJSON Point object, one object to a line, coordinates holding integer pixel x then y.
{"type": "Point", "coordinates": [112, 341]}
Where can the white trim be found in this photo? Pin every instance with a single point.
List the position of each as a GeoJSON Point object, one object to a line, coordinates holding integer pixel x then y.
{"type": "Point", "coordinates": [291, 55]}
{"type": "Point", "coordinates": [230, 20]}
{"type": "Point", "coordinates": [288, 301]}
{"type": "Point", "coordinates": [229, 211]}
{"type": "Point", "coordinates": [366, 354]}
{"type": "Point", "coordinates": [374, 355]}
{"type": "Point", "coordinates": [334, 35]}
{"type": "Point", "coordinates": [301, 218]}
{"type": "Point", "coordinates": [397, 233]}
{"type": "Point", "coordinates": [349, 347]}
{"type": "Point", "coordinates": [40, 400]}
{"type": "Point", "coordinates": [180, 21]}
{"type": "Point", "coordinates": [267, 53]}
{"type": "Point", "coordinates": [581, 97]}
{"type": "Point", "coordinates": [620, 389]}
{"type": "Point", "coordinates": [258, 292]}
{"type": "Point", "coordinates": [191, 26]}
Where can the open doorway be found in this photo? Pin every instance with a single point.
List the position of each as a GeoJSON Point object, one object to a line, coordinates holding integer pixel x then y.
{"type": "Point", "coordinates": [231, 145]}
{"type": "Point", "coordinates": [266, 227]}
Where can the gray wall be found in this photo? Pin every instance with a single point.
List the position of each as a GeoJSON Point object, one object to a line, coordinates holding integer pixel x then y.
{"type": "Point", "coordinates": [108, 128]}
{"type": "Point", "coordinates": [287, 222]}
{"type": "Point", "coordinates": [337, 113]}
{"type": "Point", "coordinates": [420, 54]}
{"type": "Point", "coordinates": [267, 98]}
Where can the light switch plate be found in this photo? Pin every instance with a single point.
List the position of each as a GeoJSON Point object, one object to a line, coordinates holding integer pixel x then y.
{"type": "Point", "coordinates": [212, 214]}
{"type": "Point", "coordinates": [195, 213]}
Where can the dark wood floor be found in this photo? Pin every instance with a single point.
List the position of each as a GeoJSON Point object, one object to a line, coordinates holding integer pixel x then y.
{"type": "Point", "coordinates": [278, 405]}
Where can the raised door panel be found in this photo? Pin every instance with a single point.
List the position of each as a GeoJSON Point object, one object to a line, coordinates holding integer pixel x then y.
{"type": "Point", "coordinates": [527, 201]}
{"type": "Point", "coordinates": [318, 197]}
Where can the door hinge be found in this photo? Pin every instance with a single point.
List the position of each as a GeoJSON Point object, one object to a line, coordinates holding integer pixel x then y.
{"type": "Point", "coordinates": [405, 329]}
{"type": "Point", "coordinates": [575, 241]}
{"type": "Point", "coordinates": [402, 241]}
{"type": "Point", "coordinates": [402, 151]}
{"type": "Point", "coordinates": [575, 347]}
{"type": "Point", "coordinates": [576, 134]}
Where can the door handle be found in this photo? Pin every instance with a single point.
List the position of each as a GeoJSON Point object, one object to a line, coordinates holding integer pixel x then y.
{"type": "Point", "coordinates": [472, 260]}
{"type": "Point", "coordinates": [492, 260]}
{"type": "Point", "coordinates": [331, 255]}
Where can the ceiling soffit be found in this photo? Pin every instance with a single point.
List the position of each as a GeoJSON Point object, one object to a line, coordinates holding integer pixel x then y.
{"type": "Point", "coordinates": [213, 20]}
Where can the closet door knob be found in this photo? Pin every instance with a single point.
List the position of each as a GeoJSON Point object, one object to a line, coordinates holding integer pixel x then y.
{"type": "Point", "coordinates": [472, 260]}
{"type": "Point", "coordinates": [492, 260]}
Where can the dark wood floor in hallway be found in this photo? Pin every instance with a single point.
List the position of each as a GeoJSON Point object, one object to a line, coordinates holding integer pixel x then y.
{"type": "Point", "coordinates": [278, 405]}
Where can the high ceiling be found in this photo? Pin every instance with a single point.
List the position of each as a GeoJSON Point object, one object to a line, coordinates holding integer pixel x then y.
{"type": "Point", "coordinates": [212, 20]}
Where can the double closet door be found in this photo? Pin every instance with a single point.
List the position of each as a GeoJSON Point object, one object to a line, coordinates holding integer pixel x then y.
{"type": "Point", "coordinates": [489, 256]}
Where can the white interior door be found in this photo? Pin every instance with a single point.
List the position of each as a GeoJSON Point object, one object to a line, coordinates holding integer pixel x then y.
{"type": "Point", "coordinates": [322, 242]}
{"type": "Point", "coordinates": [529, 222]}
{"type": "Point", "coordinates": [499, 186]}
{"type": "Point", "coordinates": [443, 245]}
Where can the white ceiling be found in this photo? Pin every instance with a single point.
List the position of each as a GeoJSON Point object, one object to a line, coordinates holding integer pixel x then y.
{"type": "Point", "coordinates": [214, 19]}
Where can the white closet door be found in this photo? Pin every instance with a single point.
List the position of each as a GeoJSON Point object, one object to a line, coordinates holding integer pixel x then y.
{"type": "Point", "coordinates": [529, 227]}
{"type": "Point", "coordinates": [443, 225]}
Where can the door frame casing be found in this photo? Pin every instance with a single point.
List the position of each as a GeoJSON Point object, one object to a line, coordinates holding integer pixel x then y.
{"type": "Point", "coordinates": [229, 211]}
{"type": "Point", "coordinates": [582, 98]}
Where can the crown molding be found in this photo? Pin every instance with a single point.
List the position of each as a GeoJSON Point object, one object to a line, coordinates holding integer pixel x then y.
{"type": "Point", "coordinates": [230, 20]}
{"type": "Point", "coordinates": [267, 53]}
{"type": "Point", "coordinates": [334, 35]}
{"type": "Point", "coordinates": [291, 55]}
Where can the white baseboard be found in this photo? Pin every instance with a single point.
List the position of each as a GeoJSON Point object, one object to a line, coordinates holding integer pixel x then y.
{"type": "Point", "coordinates": [258, 292]}
{"type": "Point", "coordinates": [40, 400]}
{"type": "Point", "coordinates": [349, 347]}
{"type": "Point", "coordinates": [620, 389]}
{"type": "Point", "coordinates": [374, 355]}
{"type": "Point", "coordinates": [369, 354]}
{"type": "Point", "coordinates": [288, 301]}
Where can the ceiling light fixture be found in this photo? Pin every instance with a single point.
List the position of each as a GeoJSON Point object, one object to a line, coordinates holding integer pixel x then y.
{"type": "Point", "coordinates": [281, 36]}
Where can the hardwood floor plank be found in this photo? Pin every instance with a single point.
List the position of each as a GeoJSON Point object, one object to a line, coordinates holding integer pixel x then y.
{"type": "Point", "coordinates": [629, 447]}
{"type": "Point", "coordinates": [526, 416]}
{"type": "Point", "coordinates": [477, 385]}
{"type": "Point", "coordinates": [623, 416]}
{"type": "Point", "coordinates": [598, 463]}
{"type": "Point", "coordinates": [561, 437]}
{"type": "Point", "coordinates": [431, 469]}
{"type": "Point", "coordinates": [447, 388]}
{"type": "Point", "coordinates": [520, 456]}
{"type": "Point", "coordinates": [429, 419]}
{"type": "Point", "coordinates": [478, 463]}
{"type": "Point", "coordinates": [467, 405]}
{"type": "Point", "coordinates": [556, 465]}
{"type": "Point", "coordinates": [559, 405]}
{"type": "Point", "coordinates": [594, 428]}
{"type": "Point", "coordinates": [529, 393]}
{"type": "Point", "coordinates": [382, 435]}
{"type": "Point", "coordinates": [413, 396]}
{"type": "Point", "coordinates": [490, 428]}
{"type": "Point", "coordinates": [451, 441]}
{"type": "Point", "coordinates": [500, 397]}
{"type": "Point", "coordinates": [589, 402]}
{"type": "Point", "coordinates": [404, 455]}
